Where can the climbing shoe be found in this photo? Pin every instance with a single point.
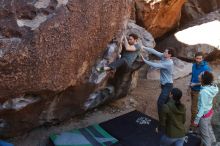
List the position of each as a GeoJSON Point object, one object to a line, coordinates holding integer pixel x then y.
{"type": "Point", "coordinates": [100, 69]}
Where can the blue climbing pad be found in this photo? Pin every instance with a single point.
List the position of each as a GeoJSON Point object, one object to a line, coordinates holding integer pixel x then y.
{"type": "Point", "coordinates": [90, 136]}
{"type": "Point", "coordinates": [3, 143]}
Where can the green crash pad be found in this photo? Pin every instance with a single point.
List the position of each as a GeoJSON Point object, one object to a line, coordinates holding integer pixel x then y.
{"type": "Point", "coordinates": [90, 136]}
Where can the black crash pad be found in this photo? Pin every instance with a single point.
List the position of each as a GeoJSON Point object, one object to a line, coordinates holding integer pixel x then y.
{"type": "Point", "coordinates": [138, 129]}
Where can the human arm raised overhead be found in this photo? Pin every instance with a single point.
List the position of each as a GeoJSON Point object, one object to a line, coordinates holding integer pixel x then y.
{"type": "Point", "coordinates": [153, 51]}
{"type": "Point", "coordinates": [156, 64]}
{"type": "Point", "coordinates": [129, 47]}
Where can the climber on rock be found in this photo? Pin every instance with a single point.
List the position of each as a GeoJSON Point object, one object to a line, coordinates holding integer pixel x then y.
{"type": "Point", "coordinates": [128, 56]}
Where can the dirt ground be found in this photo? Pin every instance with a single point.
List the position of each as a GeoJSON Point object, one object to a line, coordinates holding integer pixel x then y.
{"type": "Point", "coordinates": [143, 98]}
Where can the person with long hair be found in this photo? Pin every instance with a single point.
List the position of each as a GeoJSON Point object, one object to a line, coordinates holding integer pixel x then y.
{"type": "Point", "coordinates": [205, 111]}
{"type": "Point", "coordinates": [173, 117]}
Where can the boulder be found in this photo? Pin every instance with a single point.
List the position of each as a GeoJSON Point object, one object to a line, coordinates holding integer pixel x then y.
{"type": "Point", "coordinates": [121, 81]}
{"type": "Point", "coordinates": [158, 17]}
{"type": "Point", "coordinates": [47, 50]}
{"type": "Point", "coordinates": [194, 9]}
{"type": "Point", "coordinates": [199, 35]}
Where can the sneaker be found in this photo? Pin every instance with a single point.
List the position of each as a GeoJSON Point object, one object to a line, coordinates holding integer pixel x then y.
{"type": "Point", "coordinates": [190, 131]}
{"type": "Point", "coordinates": [100, 69]}
{"type": "Point", "coordinates": [193, 131]}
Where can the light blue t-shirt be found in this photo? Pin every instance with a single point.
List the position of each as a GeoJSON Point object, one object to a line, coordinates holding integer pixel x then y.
{"type": "Point", "coordinates": [166, 66]}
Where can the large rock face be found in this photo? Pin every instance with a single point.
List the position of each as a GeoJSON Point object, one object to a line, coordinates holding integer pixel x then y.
{"type": "Point", "coordinates": [123, 80]}
{"type": "Point", "coordinates": [158, 17]}
{"type": "Point", "coordinates": [47, 47]}
{"type": "Point", "coordinates": [199, 35]}
{"type": "Point", "coordinates": [51, 45]}
{"type": "Point", "coordinates": [194, 9]}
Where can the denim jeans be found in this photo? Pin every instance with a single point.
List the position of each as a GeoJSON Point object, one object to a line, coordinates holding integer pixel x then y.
{"type": "Point", "coordinates": [164, 96]}
{"type": "Point", "coordinates": [167, 141]}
